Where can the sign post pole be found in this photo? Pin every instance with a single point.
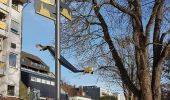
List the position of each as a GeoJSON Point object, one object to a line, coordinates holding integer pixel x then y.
{"type": "Point", "coordinates": [57, 52]}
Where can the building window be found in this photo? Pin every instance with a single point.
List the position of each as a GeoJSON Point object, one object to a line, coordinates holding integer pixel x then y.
{"type": "Point", "coordinates": [34, 79]}
{"type": "Point", "coordinates": [39, 80]}
{"type": "Point", "coordinates": [13, 45]}
{"type": "Point", "coordinates": [52, 83]}
{"type": "Point", "coordinates": [14, 27]}
{"type": "Point", "coordinates": [15, 4]}
{"type": "Point", "coordinates": [43, 81]}
{"type": "Point", "coordinates": [48, 82]}
{"type": "Point", "coordinates": [11, 90]}
{"type": "Point", "coordinates": [12, 59]}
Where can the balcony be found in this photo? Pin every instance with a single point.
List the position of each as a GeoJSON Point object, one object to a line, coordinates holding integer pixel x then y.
{"type": "Point", "coordinates": [4, 1]}
{"type": "Point", "coordinates": [3, 16]}
{"type": "Point", "coordinates": [2, 66]}
{"type": "Point", "coordinates": [19, 1]}
{"type": "Point", "coordinates": [3, 25]}
{"type": "Point", "coordinates": [23, 1]}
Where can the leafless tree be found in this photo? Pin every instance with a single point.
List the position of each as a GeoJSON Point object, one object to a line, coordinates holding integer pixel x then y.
{"type": "Point", "coordinates": [97, 26]}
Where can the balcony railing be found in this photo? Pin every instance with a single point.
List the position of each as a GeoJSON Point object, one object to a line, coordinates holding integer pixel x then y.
{"type": "Point", "coordinates": [3, 25]}
{"type": "Point", "coordinates": [2, 66]}
{"type": "Point", "coordinates": [4, 1]}
{"type": "Point", "coordinates": [23, 1]}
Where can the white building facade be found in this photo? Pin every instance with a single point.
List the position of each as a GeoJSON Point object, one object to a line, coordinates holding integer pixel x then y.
{"type": "Point", "coordinates": [10, 46]}
{"type": "Point", "coordinates": [120, 97]}
{"type": "Point", "coordinates": [104, 92]}
{"type": "Point", "coordinates": [79, 98]}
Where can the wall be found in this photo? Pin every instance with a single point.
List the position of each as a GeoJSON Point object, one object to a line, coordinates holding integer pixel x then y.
{"type": "Point", "coordinates": [12, 75]}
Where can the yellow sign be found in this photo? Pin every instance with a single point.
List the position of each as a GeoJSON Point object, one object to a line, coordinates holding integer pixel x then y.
{"type": "Point", "coordinates": [66, 14]}
{"type": "Point", "coordinates": [65, 10]}
{"type": "Point", "coordinates": [51, 2]}
{"type": "Point", "coordinates": [47, 8]}
{"type": "Point", "coordinates": [45, 12]}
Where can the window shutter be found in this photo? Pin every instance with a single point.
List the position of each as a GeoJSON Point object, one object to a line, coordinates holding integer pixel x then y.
{"type": "Point", "coordinates": [15, 26]}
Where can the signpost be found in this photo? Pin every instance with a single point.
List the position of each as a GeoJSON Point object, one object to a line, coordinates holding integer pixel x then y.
{"type": "Point", "coordinates": [57, 51]}
{"type": "Point", "coordinates": [51, 9]}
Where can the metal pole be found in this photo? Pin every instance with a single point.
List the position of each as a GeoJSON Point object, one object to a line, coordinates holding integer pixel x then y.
{"type": "Point", "coordinates": [57, 52]}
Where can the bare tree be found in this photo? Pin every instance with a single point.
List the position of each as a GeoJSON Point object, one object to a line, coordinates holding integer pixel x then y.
{"type": "Point", "coordinates": [98, 24]}
{"type": "Point", "coordinates": [112, 76]}
{"type": "Point", "coordinates": [166, 68]}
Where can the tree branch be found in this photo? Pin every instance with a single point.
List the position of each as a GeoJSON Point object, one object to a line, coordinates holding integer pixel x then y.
{"type": "Point", "coordinates": [151, 19]}
{"type": "Point", "coordinates": [126, 11]}
{"type": "Point", "coordinates": [163, 36]}
{"type": "Point", "coordinates": [165, 52]}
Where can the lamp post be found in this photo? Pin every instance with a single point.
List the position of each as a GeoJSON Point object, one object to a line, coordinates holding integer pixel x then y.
{"type": "Point", "coordinates": [57, 51]}
{"type": "Point", "coordinates": [57, 37]}
{"type": "Point", "coordinates": [64, 61]}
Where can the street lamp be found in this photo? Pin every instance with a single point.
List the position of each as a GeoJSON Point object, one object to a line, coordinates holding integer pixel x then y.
{"type": "Point", "coordinates": [63, 61]}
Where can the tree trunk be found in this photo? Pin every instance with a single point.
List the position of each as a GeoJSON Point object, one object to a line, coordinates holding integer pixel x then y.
{"type": "Point", "coordinates": [144, 76]}
{"type": "Point", "coordinates": [157, 63]}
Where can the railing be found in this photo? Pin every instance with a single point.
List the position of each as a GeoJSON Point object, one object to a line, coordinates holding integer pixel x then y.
{"type": "Point", "coordinates": [2, 65]}
{"type": "Point", "coordinates": [3, 25]}
{"type": "Point", "coordinates": [39, 66]}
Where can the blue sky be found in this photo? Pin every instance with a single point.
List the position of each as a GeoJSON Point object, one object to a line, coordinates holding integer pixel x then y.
{"type": "Point", "coordinates": [38, 29]}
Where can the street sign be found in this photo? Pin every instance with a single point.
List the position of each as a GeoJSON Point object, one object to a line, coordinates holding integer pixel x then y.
{"type": "Point", "coordinates": [65, 10]}
{"type": "Point", "coordinates": [51, 2]}
{"type": "Point", "coordinates": [47, 9]}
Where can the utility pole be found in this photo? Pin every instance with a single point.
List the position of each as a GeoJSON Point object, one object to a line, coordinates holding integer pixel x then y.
{"type": "Point", "coordinates": [57, 52]}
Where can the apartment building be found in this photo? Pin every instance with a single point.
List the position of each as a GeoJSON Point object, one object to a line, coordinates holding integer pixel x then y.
{"type": "Point", "coordinates": [10, 46]}
{"type": "Point", "coordinates": [36, 79]}
{"type": "Point", "coordinates": [35, 76]}
{"type": "Point", "coordinates": [92, 91]}
{"type": "Point", "coordinates": [105, 92]}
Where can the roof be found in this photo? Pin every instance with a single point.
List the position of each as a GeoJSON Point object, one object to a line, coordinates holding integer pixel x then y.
{"type": "Point", "coordinates": [28, 58]}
